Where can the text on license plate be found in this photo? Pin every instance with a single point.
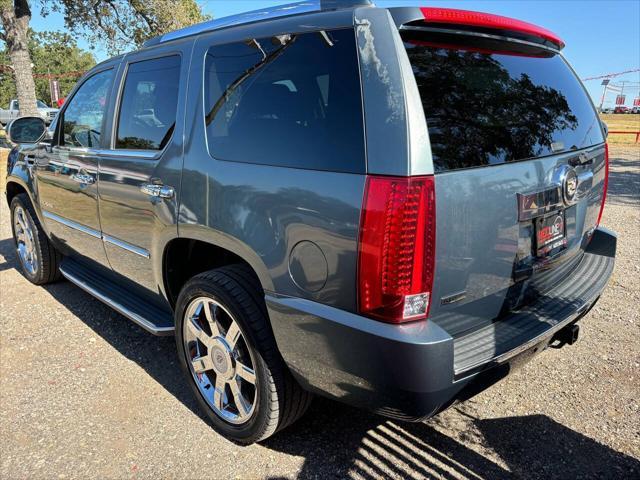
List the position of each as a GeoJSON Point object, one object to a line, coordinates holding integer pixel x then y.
{"type": "Point", "coordinates": [550, 233]}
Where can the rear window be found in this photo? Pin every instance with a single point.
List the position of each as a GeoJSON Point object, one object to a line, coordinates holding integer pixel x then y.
{"type": "Point", "coordinates": [291, 100]}
{"type": "Point", "coordinates": [488, 106]}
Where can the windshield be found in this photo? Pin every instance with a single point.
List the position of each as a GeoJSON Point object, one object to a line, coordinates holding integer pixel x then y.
{"type": "Point", "coordinates": [488, 106]}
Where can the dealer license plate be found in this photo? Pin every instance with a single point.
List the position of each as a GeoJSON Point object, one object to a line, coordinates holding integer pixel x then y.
{"type": "Point", "coordinates": [550, 233]}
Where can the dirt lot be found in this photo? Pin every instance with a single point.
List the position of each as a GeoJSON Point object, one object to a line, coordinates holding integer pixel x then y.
{"type": "Point", "coordinates": [87, 394]}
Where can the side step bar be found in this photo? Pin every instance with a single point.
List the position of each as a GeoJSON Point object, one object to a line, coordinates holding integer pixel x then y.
{"type": "Point", "coordinates": [150, 317]}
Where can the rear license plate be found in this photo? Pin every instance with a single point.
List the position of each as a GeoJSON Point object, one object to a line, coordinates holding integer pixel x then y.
{"type": "Point", "coordinates": [550, 233]}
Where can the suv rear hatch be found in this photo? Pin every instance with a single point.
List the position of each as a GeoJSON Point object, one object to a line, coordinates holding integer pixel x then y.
{"type": "Point", "coordinates": [520, 167]}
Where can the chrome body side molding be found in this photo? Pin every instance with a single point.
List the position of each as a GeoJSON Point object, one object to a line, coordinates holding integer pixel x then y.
{"type": "Point", "coordinates": [71, 224]}
{"type": "Point", "coordinates": [125, 246]}
{"type": "Point", "coordinates": [96, 234]}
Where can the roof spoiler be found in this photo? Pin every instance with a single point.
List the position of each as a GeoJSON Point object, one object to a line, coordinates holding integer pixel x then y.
{"type": "Point", "coordinates": [464, 20]}
{"type": "Point", "coordinates": [279, 11]}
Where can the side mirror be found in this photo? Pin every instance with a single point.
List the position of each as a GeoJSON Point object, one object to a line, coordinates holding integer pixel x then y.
{"type": "Point", "coordinates": [605, 129]}
{"type": "Point", "coordinates": [26, 130]}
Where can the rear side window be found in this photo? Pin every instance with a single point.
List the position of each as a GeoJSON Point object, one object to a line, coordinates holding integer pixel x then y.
{"type": "Point", "coordinates": [485, 106]}
{"type": "Point", "coordinates": [148, 104]}
{"type": "Point", "coordinates": [292, 100]}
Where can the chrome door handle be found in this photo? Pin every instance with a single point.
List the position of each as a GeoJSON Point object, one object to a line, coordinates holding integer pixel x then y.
{"type": "Point", "coordinates": [83, 178]}
{"type": "Point", "coordinates": [161, 191]}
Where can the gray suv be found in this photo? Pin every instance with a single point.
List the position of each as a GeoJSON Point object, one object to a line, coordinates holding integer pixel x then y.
{"type": "Point", "coordinates": [388, 207]}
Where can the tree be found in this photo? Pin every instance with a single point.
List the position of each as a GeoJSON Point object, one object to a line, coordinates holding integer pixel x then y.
{"type": "Point", "coordinates": [15, 17]}
{"type": "Point", "coordinates": [124, 24]}
{"type": "Point", "coordinates": [120, 24]}
{"type": "Point", "coordinates": [57, 54]}
{"type": "Point", "coordinates": [53, 54]}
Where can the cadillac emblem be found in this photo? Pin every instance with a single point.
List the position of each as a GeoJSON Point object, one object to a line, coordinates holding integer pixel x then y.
{"type": "Point", "coordinates": [569, 185]}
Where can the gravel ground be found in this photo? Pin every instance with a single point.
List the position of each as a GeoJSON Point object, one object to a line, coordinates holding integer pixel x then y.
{"type": "Point", "coordinates": [87, 394]}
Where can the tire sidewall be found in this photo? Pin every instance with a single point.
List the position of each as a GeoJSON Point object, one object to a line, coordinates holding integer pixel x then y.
{"type": "Point", "coordinates": [249, 431]}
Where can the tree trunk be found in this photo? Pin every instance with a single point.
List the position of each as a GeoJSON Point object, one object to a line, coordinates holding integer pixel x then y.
{"type": "Point", "coordinates": [15, 20]}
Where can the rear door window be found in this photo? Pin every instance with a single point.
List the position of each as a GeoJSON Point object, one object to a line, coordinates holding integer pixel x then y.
{"type": "Point", "coordinates": [148, 104]}
{"type": "Point", "coordinates": [487, 106]}
{"type": "Point", "coordinates": [292, 100]}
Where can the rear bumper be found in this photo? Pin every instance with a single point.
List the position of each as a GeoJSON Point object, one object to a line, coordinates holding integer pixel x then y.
{"type": "Point", "coordinates": [413, 371]}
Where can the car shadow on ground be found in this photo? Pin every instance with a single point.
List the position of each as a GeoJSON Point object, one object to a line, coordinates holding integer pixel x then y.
{"type": "Point", "coordinates": [339, 441]}
{"type": "Point", "coordinates": [363, 445]}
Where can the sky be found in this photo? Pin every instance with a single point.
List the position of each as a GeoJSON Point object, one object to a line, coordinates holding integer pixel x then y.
{"type": "Point", "coordinates": [601, 36]}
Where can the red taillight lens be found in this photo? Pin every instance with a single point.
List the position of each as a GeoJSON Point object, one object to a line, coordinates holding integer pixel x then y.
{"type": "Point", "coordinates": [606, 182]}
{"type": "Point", "coordinates": [488, 20]}
{"type": "Point", "coordinates": [397, 248]}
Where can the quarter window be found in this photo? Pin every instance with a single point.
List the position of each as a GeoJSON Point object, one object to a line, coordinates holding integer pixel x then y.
{"type": "Point", "coordinates": [82, 119]}
{"type": "Point", "coordinates": [291, 100]}
{"type": "Point", "coordinates": [149, 103]}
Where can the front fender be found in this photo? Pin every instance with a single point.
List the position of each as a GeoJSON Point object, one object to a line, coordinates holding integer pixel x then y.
{"type": "Point", "coordinates": [22, 175]}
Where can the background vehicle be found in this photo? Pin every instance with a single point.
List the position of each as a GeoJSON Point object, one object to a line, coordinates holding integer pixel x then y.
{"type": "Point", "coordinates": [635, 109]}
{"type": "Point", "coordinates": [621, 109]}
{"type": "Point", "coordinates": [47, 113]}
{"type": "Point", "coordinates": [335, 226]}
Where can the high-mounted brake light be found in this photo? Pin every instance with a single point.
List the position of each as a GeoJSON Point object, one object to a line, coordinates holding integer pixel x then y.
{"type": "Point", "coordinates": [397, 248]}
{"type": "Point", "coordinates": [487, 20]}
{"type": "Point", "coordinates": [606, 182]}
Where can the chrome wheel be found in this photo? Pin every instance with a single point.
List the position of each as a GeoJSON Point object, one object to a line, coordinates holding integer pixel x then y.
{"type": "Point", "coordinates": [25, 241]}
{"type": "Point", "coordinates": [220, 360]}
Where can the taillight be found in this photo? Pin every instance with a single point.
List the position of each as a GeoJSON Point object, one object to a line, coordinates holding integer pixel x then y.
{"type": "Point", "coordinates": [606, 182]}
{"type": "Point", "coordinates": [488, 20]}
{"type": "Point", "coordinates": [397, 248]}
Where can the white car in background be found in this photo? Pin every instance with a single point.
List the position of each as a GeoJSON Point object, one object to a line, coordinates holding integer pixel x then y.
{"type": "Point", "coordinates": [46, 112]}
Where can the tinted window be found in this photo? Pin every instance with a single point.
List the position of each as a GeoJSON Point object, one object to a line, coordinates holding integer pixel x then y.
{"type": "Point", "coordinates": [82, 121]}
{"type": "Point", "coordinates": [291, 101]}
{"type": "Point", "coordinates": [484, 107]}
{"type": "Point", "coordinates": [149, 103]}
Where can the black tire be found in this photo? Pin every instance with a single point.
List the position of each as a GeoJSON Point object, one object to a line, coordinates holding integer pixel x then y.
{"type": "Point", "coordinates": [280, 401]}
{"type": "Point", "coordinates": [47, 257]}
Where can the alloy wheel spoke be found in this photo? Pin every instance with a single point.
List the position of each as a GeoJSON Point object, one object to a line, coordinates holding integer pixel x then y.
{"type": "Point", "coordinates": [218, 393]}
{"type": "Point", "coordinates": [246, 373]}
{"type": "Point", "coordinates": [233, 334]}
{"type": "Point", "coordinates": [211, 317]}
{"type": "Point", "coordinates": [22, 222]}
{"type": "Point", "coordinates": [238, 399]}
{"type": "Point", "coordinates": [197, 332]}
{"type": "Point", "coordinates": [202, 364]}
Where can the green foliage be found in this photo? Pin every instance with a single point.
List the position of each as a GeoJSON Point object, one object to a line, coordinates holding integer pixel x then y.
{"type": "Point", "coordinates": [51, 52]}
{"type": "Point", "coordinates": [121, 25]}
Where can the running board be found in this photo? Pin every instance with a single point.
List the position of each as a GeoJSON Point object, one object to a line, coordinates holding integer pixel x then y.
{"type": "Point", "coordinates": [150, 317]}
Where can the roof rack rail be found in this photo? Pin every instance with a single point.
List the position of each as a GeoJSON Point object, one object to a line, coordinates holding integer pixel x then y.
{"type": "Point", "coordinates": [278, 11]}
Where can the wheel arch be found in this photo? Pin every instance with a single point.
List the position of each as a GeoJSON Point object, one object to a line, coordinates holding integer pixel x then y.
{"type": "Point", "coordinates": [14, 188]}
{"type": "Point", "coordinates": [185, 257]}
